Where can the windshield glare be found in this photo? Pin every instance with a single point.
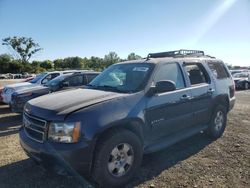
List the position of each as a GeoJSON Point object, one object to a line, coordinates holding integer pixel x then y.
{"type": "Point", "coordinates": [127, 77]}
{"type": "Point", "coordinates": [55, 81]}
{"type": "Point", "coordinates": [38, 77]}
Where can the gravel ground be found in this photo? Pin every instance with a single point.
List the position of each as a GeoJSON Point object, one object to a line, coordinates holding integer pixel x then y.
{"type": "Point", "coordinates": [195, 162]}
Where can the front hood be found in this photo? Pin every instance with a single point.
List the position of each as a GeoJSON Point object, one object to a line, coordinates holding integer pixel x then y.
{"type": "Point", "coordinates": [32, 89]}
{"type": "Point", "coordinates": [57, 106]}
{"type": "Point", "coordinates": [18, 85]}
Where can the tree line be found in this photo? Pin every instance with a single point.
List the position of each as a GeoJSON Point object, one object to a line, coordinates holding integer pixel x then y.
{"type": "Point", "coordinates": [23, 49]}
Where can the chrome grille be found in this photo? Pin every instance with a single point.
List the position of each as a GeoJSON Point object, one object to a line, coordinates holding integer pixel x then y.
{"type": "Point", "coordinates": [35, 128]}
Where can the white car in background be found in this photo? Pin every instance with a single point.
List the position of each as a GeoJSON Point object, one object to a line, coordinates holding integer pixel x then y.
{"type": "Point", "coordinates": [40, 79]}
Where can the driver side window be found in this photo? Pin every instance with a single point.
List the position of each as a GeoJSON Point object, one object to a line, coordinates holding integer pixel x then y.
{"type": "Point", "coordinates": [170, 71]}
{"type": "Point", "coordinates": [76, 80]}
{"type": "Point", "coordinates": [49, 77]}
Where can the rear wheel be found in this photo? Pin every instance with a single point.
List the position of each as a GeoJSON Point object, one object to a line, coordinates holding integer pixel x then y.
{"type": "Point", "coordinates": [218, 122]}
{"type": "Point", "coordinates": [118, 156]}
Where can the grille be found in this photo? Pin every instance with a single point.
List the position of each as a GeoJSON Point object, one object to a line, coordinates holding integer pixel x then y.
{"type": "Point", "coordinates": [35, 128]}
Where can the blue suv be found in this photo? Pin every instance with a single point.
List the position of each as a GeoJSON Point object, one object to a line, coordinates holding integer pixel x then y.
{"type": "Point", "coordinates": [131, 108]}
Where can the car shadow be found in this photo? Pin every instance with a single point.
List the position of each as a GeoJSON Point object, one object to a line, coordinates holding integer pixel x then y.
{"type": "Point", "coordinates": [153, 164]}
{"type": "Point", "coordinates": [4, 109]}
{"type": "Point", "coordinates": [26, 173]}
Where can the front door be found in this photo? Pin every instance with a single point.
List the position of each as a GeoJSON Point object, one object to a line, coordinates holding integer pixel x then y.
{"type": "Point", "coordinates": [168, 113]}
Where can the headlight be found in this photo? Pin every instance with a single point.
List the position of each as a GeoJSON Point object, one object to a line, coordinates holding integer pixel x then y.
{"type": "Point", "coordinates": [8, 90]}
{"type": "Point", "coordinates": [64, 132]}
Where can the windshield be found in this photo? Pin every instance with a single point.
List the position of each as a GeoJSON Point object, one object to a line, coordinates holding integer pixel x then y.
{"type": "Point", "coordinates": [241, 75]}
{"type": "Point", "coordinates": [56, 80]}
{"type": "Point", "coordinates": [38, 77]}
{"type": "Point", "coordinates": [127, 77]}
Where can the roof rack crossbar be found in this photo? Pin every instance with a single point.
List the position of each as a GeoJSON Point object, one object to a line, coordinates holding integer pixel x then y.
{"type": "Point", "coordinates": [176, 53]}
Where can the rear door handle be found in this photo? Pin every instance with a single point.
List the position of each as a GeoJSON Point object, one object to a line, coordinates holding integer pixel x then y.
{"type": "Point", "coordinates": [186, 97]}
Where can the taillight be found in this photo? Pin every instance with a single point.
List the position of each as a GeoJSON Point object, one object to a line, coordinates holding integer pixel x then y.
{"type": "Point", "coordinates": [232, 89]}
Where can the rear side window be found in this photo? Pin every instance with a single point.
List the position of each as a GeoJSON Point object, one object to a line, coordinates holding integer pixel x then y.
{"type": "Point", "coordinates": [218, 70]}
{"type": "Point", "coordinates": [76, 80]}
{"type": "Point", "coordinates": [50, 77]}
{"type": "Point", "coordinates": [171, 71]}
{"type": "Point", "coordinates": [90, 77]}
{"type": "Point", "coordinates": [196, 73]}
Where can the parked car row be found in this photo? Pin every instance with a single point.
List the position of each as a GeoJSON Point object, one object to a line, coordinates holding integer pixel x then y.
{"type": "Point", "coordinates": [40, 79]}
{"type": "Point", "coordinates": [16, 76]}
{"type": "Point", "coordinates": [130, 109]}
{"type": "Point", "coordinates": [62, 82]}
{"type": "Point", "coordinates": [242, 80]}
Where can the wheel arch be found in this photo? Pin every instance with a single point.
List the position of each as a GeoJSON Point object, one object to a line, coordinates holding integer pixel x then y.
{"type": "Point", "coordinates": [222, 100]}
{"type": "Point", "coordinates": [134, 125]}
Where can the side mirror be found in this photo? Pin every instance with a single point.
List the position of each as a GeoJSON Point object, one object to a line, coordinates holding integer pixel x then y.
{"type": "Point", "coordinates": [161, 87]}
{"type": "Point", "coordinates": [164, 86]}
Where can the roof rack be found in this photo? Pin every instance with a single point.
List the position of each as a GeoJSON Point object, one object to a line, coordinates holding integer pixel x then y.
{"type": "Point", "coordinates": [176, 53]}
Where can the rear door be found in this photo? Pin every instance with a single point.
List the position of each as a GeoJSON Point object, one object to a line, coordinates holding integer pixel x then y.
{"type": "Point", "coordinates": [89, 78]}
{"type": "Point", "coordinates": [73, 81]}
{"type": "Point", "coordinates": [169, 112]}
{"type": "Point", "coordinates": [202, 91]}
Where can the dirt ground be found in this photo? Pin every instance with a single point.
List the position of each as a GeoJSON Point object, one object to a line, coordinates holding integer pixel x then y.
{"type": "Point", "coordinates": [195, 162]}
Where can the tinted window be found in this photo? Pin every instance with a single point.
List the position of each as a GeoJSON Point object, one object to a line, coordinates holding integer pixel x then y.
{"type": "Point", "coordinates": [196, 73]}
{"type": "Point", "coordinates": [75, 80]}
{"type": "Point", "coordinates": [50, 77]}
{"type": "Point", "coordinates": [90, 77]}
{"type": "Point", "coordinates": [38, 77]}
{"type": "Point", "coordinates": [218, 69]}
{"type": "Point", "coordinates": [171, 72]}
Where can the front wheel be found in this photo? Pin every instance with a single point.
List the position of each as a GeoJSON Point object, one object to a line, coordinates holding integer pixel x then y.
{"type": "Point", "coordinates": [118, 156]}
{"type": "Point", "coordinates": [218, 122]}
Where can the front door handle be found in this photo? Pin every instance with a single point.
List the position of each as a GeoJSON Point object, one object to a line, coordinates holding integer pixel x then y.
{"type": "Point", "coordinates": [186, 97]}
{"type": "Point", "coordinates": [210, 91]}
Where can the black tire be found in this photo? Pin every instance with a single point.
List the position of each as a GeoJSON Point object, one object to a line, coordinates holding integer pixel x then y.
{"type": "Point", "coordinates": [103, 157]}
{"type": "Point", "coordinates": [216, 130]}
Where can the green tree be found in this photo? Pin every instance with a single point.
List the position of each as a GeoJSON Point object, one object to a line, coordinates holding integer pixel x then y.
{"type": "Point", "coordinates": [23, 47]}
{"type": "Point", "coordinates": [133, 56]}
{"type": "Point", "coordinates": [16, 66]}
{"type": "Point", "coordinates": [111, 58]}
{"type": "Point", "coordinates": [94, 63]}
{"type": "Point", "coordinates": [58, 63]}
{"type": "Point", "coordinates": [47, 64]}
{"type": "Point", "coordinates": [5, 60]}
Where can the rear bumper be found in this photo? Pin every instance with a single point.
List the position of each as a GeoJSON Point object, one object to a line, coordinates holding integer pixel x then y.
{"type": "Point", "coordinates": [74, 158]}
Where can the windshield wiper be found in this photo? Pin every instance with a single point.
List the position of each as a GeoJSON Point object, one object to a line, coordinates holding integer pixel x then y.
{"type": "Point", "coordinates": [107, 87]}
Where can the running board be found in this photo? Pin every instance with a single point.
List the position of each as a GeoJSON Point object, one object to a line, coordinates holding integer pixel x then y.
{"type": "Point", "coordinates": [172, 139]}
